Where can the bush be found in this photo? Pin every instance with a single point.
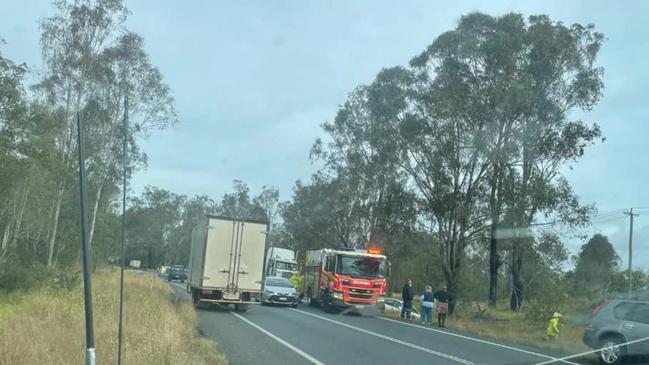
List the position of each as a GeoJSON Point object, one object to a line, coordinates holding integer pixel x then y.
{"type": "Point", "coordinates": [65, 278]}
{"type": "Point", "coordinates": [539, 311]}
{"type": "Point", "coordinates": [15, 275]}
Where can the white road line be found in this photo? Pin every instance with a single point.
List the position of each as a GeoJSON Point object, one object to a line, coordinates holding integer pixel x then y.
{"type": "Point", "coordinates": [481, 341]}
{"type": "Point", "coordinates": [391, 339]}
{"type": "Point", "coordinates": [310, 358]}
{"type": "Point", "coordinates": [591, 352]}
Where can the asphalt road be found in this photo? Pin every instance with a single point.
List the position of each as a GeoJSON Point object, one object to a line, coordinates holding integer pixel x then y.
{"type": "Point", "coordinates": [275, 335]}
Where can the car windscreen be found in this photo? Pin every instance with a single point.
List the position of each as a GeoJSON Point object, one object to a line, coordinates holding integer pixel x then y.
{"type": "Point", "coordinates": [278, 282]}
{"type": "Point", "coordinates": [363, 267]}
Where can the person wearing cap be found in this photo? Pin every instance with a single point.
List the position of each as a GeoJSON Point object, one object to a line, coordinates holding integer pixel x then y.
{"type": "Point", "coordinates": [553, 326]}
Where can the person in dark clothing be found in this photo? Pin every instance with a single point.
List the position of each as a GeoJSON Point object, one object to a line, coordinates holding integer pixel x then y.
{"type": "Point", "coordinates": [407, 295]}
{"type": "Point", "coordinates": [443, 297]}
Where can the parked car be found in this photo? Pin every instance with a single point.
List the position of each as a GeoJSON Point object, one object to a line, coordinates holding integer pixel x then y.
{"type": "Point", "coordinates": [177, 273]}
{"type": "Point", "coordinates": [279, 290]}
{"type": "Point", "coordinates": [395, 305]}
{"type": "Point", "coordinates": [613, 324]}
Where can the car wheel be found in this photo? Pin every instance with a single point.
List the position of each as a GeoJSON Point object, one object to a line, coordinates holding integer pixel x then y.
{"type": "Point", "coordinates": [612, 353]}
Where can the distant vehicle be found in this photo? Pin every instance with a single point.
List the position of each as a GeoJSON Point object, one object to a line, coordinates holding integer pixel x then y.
{"type": "Point", "coordinates": [345, 279]}
{"type": "Point", "coordinates": [176, 273]}
{"type": "Point", "coordinates": [395, 305]}
{"type": "Point", "coordinates": [614, 323]}
{"type": "Point", "coordinates": [279, 291]}
{"type": "Point", "coordinates": [227, 261]}
{"type": "Point", "coordinates": [280, 262]}
{"type": "Point", "coordinates": [135, 264]}
{"type": "Point", "coordinates": [164, 271]}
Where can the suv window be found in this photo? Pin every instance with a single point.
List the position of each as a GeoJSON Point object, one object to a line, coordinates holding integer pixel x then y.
{"type": "Point", "coordinates": [622, 310]}
{"type": "Point", "coordinates": [640, 313]}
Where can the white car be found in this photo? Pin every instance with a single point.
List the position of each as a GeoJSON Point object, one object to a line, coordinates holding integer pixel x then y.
{"type": "Point", "coordinates": [279, 291]}
{"type": "Point", "coordinates": [394, 306]}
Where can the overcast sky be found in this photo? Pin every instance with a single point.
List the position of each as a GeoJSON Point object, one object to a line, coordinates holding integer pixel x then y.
{"type": "Point", "coordinates": [253, 81]}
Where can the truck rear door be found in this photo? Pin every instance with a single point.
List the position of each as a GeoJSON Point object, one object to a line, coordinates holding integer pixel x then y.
{"type": "Point", "coordinates": [249, 265]}
{"type": "Point", "coordinates": [234, 255]}
{"type": "Point", "coordinates": [219, 250]}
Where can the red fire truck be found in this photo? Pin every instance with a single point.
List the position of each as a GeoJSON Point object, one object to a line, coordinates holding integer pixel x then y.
{"type": "Point", "coordinates": [345, 278]}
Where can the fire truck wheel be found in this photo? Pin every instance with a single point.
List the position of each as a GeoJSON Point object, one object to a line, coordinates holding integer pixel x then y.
{"type": "Point", "coordinates": [328, 307]}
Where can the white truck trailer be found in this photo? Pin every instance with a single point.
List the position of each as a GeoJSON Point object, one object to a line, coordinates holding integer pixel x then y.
{"type": "Point", "coordinates": [227, 261]}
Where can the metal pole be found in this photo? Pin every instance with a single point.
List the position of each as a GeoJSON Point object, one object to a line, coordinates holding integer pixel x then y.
{"type": "Point", "coordinates": [120, 329]}
{"type": "Point", "coordinates": [630, 213]}
{"type": "Point", "coordinates": [87, 282]}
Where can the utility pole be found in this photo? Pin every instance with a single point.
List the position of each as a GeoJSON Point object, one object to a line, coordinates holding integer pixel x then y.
{"type": "Point", "coordinates": [631, 215]}
{"type": "Point", "coordinates": [87, 280]}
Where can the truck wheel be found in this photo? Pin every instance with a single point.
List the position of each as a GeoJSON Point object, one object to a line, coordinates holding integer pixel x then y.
{"type": "Point", "coordinates": [195, 300]}
{"type": "Point", "coordinates": [327, 306]}
{"type": "Point", "coordinates": [241, 307]}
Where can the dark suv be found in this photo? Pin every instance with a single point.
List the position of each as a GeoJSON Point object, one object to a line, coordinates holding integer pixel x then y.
{"type": "Point", "coordinates": [177, 273]}
{"type": "Point", "coordinates": [620, 328]}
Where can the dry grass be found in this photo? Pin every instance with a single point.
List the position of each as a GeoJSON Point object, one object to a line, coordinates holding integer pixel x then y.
{"type": "Point", "coordinates": [47, 326]}
{"type": "Point", "coordinates": [504, 325]}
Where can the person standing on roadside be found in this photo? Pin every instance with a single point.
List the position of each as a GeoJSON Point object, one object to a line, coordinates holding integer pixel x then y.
{"type": "Point", "coordinates": [427, 305]}
{"type": "Point", "coordinates": [443, 297]}
{"type": "Point", "coordinates": [553, 326]}
{"type": "Point", "coordinates": [407, 296]}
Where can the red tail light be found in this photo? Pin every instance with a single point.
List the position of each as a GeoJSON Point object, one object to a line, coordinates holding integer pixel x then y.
{"type": "Point", "coordinates": [599, 308]}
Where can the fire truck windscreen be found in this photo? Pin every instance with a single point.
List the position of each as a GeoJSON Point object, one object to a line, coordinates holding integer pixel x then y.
{"type": "Point", "coordinates": [361, 267]}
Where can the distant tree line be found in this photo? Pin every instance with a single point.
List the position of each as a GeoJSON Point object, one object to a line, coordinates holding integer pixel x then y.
{"type": "Point", "coordinates": [453, 164]}
{"type": "Point", "coordinates": [96, 69]}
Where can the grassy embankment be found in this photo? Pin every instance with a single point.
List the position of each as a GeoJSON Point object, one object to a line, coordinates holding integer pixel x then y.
{"type": "Point", "coordinates": [46, 326]}
{"type": "Point", "coordinates": [501, 324]}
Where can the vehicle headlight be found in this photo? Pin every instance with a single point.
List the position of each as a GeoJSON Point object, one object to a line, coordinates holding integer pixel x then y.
{"type": "Point", "coordinates": [338, 295]}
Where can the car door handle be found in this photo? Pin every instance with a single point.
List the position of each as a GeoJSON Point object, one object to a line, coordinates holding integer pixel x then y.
{"type": "Point", "coordinates": [627, 325]}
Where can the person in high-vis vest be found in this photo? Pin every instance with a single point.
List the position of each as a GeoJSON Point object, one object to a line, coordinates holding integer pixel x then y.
{"type": "Point", "coordinates": [553, 326]}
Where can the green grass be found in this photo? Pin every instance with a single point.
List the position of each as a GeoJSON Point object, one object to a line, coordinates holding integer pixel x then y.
{"type": "Point", "coordinates": [46, 326]}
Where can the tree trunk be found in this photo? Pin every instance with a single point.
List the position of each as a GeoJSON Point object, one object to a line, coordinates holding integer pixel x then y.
{"type": "Point", "coordinates": [21, 212]}
{"type": "Point", "coordinates": [516, 300]}
{"type": "Point", "coordinates": [5, 236]}
{"type": "Point", "coordinates": [94, 213]}
{"type": "Point", "coordinates": [55, 225]}
{"type": "Point", "coordinates": [494, 264]}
